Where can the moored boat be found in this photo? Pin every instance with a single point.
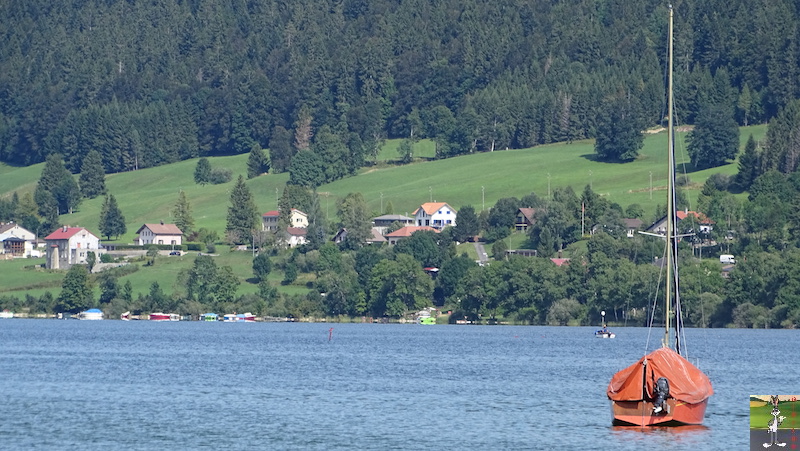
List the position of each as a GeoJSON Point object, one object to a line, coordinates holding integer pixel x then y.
{"type": "Point", "coordinates": [209, 317]}
{"type": "Point", "coordinates": [91, 314]}
{"type": "Point", "coordinates": [158, 316]}
{"type": "Point", "coordinates": [6, 314]}
{"type": "Point", "coordinates": [663, 388]}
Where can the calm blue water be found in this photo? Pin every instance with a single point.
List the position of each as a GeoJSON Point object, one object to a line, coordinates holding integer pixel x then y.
{"type": "Point", "coordinates": [187, 385]}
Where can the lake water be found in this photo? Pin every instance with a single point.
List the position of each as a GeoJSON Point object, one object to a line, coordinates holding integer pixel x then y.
{"type": "Point", "coordinates": [187, 385]}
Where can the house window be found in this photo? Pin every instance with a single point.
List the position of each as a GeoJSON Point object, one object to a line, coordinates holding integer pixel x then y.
{"type": "Point", "coordinates": [427, 222]}
{"type": "Point", "coordinates": [160, 241]}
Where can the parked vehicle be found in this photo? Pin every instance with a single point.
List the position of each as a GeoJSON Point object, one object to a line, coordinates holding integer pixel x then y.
{"type": "Point", "coordinates": [727, 259]}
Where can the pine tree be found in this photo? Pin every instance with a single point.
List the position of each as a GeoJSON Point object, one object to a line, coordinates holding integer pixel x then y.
{"type": "Point", "coordinates": [242, 213]}
{"type": "Point", "coordinates": [202, 172]}
{"type": "Point", "coordinates": [93, 176]}
{"type": "Point", "coordinates": [182, 212]}
{"type": "Point", "coordinates": [748, 165]}
{"type": "Point", "coordinates": [112, 222]}
{"type": "Point", "coordinates": [257, 162]}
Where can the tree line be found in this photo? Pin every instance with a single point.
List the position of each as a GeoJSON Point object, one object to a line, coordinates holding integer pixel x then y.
{"type": "Point", "coordinates": [149, 84]}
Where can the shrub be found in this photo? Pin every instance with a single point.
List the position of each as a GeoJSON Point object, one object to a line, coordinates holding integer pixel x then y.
{"type": "Point", "coordinates": [220, 175]}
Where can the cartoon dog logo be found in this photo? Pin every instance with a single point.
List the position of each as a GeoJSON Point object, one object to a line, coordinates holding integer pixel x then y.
{"type": "Point", "coordinates": [772, 425]}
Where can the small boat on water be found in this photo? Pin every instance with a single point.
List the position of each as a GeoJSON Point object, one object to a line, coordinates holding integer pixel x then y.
{"type": "Point", "coordinates": [164, 317]}
{"type": "Point", "coordinates": [125, 316]}
{"type": "Point", "coordinates": [426, 320]}
{"type": "Point", "coordinates": [604, 332]}
{"type": "Point", "coordinates": [239, 318]}
{"type": "Point", "coordinates": [6, 314]}
{"type": "Point", "coordinates": [209, 317]}
{"type": "Point", "coordinates": [91, 314]}
{"type": "Point", "coordinates": [663, 388]}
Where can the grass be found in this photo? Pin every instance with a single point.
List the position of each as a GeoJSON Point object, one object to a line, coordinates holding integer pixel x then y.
{"type": "Point", "coordinates": [16, 279]}
{"type": "Point", "coordinates": [148, 195]}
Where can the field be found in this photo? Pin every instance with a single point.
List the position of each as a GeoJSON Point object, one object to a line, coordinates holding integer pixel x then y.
{"type": "Point", "coordinates": [148, 195]}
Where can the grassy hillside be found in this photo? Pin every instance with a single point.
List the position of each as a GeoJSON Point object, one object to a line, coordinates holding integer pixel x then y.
{"type": "Point", "coordinates": [148, 195]}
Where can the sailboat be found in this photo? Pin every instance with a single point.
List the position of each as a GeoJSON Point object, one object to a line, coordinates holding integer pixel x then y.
{"type": "Point", "coordinates": [663, 388]}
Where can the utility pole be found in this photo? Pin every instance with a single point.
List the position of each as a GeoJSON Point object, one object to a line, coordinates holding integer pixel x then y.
{"type": "Point", "coordinates": [548, 185]}
{"type": "Point", "coordinates": [483, 198]}
{"type": "Point", "coordinates": [651, 185]}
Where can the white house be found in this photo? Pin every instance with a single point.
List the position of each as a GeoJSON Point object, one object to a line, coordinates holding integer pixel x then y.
{"type": "Point", "coordinates": [68, 246]}
{"type": "Point", "coordinates": [159, 234]}
{"type": "Point", "coordinates": [435, 214]}
{"type": "Point", "coordinates": [296, 236]}
{"type": "Point", "coordinates": [17, 241]}
{"type": "Point", "coordinates": [269, 220]}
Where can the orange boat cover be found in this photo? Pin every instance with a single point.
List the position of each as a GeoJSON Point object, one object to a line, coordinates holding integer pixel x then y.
{"type": "Point", "coordinates": [686, 382]}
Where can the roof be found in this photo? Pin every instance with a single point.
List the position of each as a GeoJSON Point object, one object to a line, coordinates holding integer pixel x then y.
{"type": "Point", "coordinates": [376, 236]}
{"type": "Point", "coordinates": [700, 216]}
{"type": "Point", "coordinates": [559, 261]}
{"type": "Point", "coordinates": [431, 208]}
{"type": "Point", "coordinates": [294, 210]}
{"type": "Point", "coordinates": [632, 223]}
{"type": "Point", "coordinates": [407, 231]}
{"type": "Point", "coordinates": [65, 233]}
{"type": "Point", "coordinates": [272, 213]}
{"type": "Point", "coordinates": [528, 213]}
{"type": "Point", "coordinates": [7, 227]}
{"type": "Point", "coordinates": [392, 218]}
{"type": "Point", "coordinates": [162, 229]}
{"type": "Point", "coordinates": [296, 231]}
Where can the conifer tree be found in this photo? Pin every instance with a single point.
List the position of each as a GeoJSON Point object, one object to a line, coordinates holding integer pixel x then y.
{"type": "Point", "coordinates": [242, 213]}
{"type": "Point", "coordinates": [182, 212]}
{"type": "Point", "coordinates": [112, 222]}
{"type": "Point", "coordinates": [202, 172]}
{"type": "Point", "coordinates": [93, 176]}
{"type": "Point", "coordinates": [748, 165]}
{"type": "Point", "coordinates": [257, 162]}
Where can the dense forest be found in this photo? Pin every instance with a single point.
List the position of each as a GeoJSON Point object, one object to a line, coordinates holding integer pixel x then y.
{"type": "Point", "coordinates": [148, 83]}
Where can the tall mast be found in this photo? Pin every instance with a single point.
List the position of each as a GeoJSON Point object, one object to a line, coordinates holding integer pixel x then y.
{"type": "Point", "coordinates": [670, 193]}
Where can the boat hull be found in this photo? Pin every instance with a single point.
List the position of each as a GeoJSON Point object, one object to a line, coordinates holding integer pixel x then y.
{"type": "Point", "coordinates": [640, 413]}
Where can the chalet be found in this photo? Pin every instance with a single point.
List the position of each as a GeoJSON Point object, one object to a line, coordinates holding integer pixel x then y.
{"type": "Point", "coordinates": [69, 246]}
{"type": "Point", "coordinates": [435, 214]}
{"type": "Point", "coordinates": [524, 218]}
{"type": "Point", "coordinates": [159, 234]}
{"type": "Point", "coordinates": [376, 236]}
{"type": "Point", "coordinates": [632, 225]}
{"type": "Point", "coordinates": [405, 232]}
{"type": "Point", "coordinates": [17, 241]}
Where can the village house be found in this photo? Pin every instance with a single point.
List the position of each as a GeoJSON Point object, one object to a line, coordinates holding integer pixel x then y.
{"type": "Point", "coordinates": [524, 219]}
{"type": "Point", "coordinates": [435, 214]}
{"type": "Point", "coordinates": [17, 241]}
{"type": "Point", "coordinates": [632, 225]}
{"type": "Point", "coordinates": [405, 232]}
{"type": "Point", "coordinates": [701, 222]}
{"type": "Point", "coordinates": [159, 234]}
{"type": "Point", "coordinates": [296, 236]}
{"type": "Point", "coordinates": [269, 220]}
{"type": "Point", "coordinates": [69, 246]}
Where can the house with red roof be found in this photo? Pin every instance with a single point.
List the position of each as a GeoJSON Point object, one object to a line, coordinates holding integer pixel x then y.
{"type": "Point", "coordinates": [435, 214]}
{"type": "Point", "coordinates": [69, 246]}
{"type": "Point", "coordinates": [700, 222]}
{"type": "Point", "coordinates": [159, 234]}
{"type": "Point", "coordinates": [405, 232]}
{"type": "Point", "coordinates": [269, 220]}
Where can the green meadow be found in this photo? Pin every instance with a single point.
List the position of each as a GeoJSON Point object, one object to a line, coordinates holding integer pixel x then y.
{"type": "Point", "coordinates": [480, 179]}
